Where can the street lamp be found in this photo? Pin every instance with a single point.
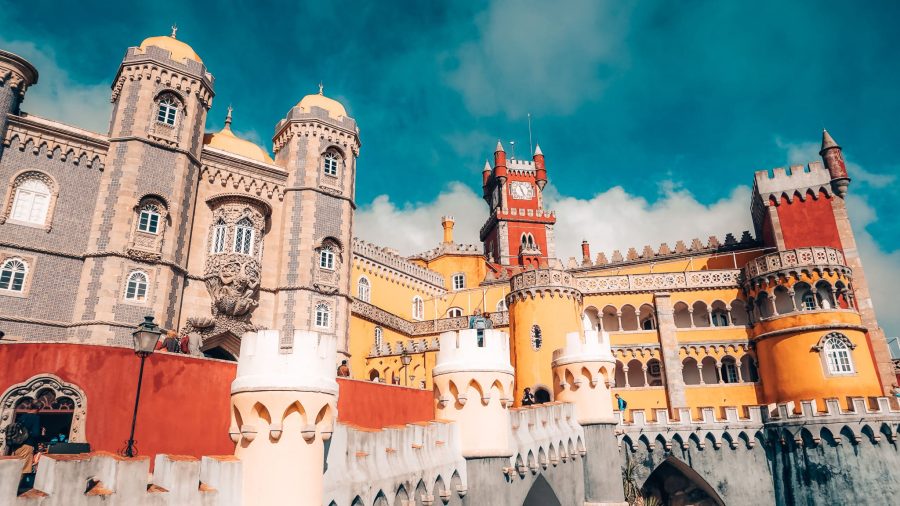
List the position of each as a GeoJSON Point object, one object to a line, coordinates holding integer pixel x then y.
{"type": "Point", "coordinates": [406, 358]}
{"type": "Point", "coordinates": [145, 339]}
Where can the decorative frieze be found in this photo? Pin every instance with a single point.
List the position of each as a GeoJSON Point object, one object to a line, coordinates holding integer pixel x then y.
{"type": "Point", "coordinates": [386, 258]}
{"type": "Point", "coordinates": [796, 259]}
{"type": "Point", "coordinates": [670, 281]}
{"type": "Point", "coordinates": [59, 141]}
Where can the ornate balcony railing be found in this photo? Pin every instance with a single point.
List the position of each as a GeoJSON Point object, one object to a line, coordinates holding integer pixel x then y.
{"type": "Point", "coordinates": [822, 257]}
{"type": "Point", "coordinates": [725, 278]}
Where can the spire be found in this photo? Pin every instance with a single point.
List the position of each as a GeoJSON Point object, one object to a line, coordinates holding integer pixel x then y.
{"type": "Point", "coordinates": [174, 30]}
{"type": "Point", "coordinates": [487, 166]}
{"type": "Point", "coordinates": [499, 147]}
{"type": "Point", "coordinates": [827, 142]}
{"type": "Point", "coordinates": [537, 150]}
{"type": "Point", "coordinates": [321, 88]}
{"type": "Point", "coordinates": [228, 118]}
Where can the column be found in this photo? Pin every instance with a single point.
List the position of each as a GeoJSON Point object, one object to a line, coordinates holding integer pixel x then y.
{"type": "Point", "coordinates": [668, 345]}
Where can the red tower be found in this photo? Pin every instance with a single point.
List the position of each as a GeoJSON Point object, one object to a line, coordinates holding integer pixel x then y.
{"type": "Point", "coordinates": [518, 231]}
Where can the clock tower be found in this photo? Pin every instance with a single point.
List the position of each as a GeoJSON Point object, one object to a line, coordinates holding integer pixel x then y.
{"type": "Point", "coordinates": [518, 231]}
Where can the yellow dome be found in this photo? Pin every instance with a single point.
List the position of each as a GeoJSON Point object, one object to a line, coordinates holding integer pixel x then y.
{"type": "Point", "coordinates": [179, 50]}
{"type": "Point", "coordinates": [227, 141]}
{"type": "Point", "coordinates": [334, 108]}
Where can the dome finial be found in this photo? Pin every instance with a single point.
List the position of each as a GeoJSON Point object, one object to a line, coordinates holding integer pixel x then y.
{"type": "Point", "coordinates": [228, 118]}
{"type": "Point", "coordinates": [174, 30]}
{"type": "Point", "coordinates": [321, 88]}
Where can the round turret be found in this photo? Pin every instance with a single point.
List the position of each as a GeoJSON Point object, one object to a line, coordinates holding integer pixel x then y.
{"type": "Point", "coordinates": [473, 386]}
{"type": "Point", "coordinates": [582, 372]}
{"type": "Point", "coordinates": [544, 306]}
{"type": "Point", "coordinates": [283, 409]}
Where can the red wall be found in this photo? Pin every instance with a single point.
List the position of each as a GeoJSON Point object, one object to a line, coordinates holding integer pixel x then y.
{"type": "Point", "coordinates": [808, 223]}
{"type": "Point", "coordinates": [185, 401]}
{"type": "Point", "coordinates": [376, 405]}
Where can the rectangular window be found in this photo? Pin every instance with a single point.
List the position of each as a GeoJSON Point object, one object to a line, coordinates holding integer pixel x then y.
{"type": "Point", "coordinates": [149, 222]}
{"type": "Point", "coordinates": [218, 242]}
{"type": "Point", "coordinates": [459, 281]}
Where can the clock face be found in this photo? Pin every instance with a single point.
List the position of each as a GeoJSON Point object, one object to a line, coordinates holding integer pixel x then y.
{"type": "Point", "coordinates": [521, 190]}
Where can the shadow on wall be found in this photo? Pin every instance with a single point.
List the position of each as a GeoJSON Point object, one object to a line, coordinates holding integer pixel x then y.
{"type": "Point", "coordinates": [541, 494]}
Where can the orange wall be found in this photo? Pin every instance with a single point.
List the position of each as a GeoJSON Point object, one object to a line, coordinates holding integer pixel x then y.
{"type": "Point", "coordinates": [374, 405]}
{"type": "Point", "coordinates": [185, 401]}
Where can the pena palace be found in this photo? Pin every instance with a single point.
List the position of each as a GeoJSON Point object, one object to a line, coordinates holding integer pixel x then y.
{"type": "Point", "coordinates": [314, 368]}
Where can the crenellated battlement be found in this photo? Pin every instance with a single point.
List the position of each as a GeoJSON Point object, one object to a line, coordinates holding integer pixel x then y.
{"type": "Point", "coordinates": [389, 259]}
{"type": "Point", "coordinates": [796, 180]}
{"type": "Point", "coordinates": [463, 351]}
{"type": "Point", "coordinates": [872, 418]}
{"type": "Point", "coordinates": [308, 366]}
{"type": "Point", "coordinates": [595, 347]}
{"type": "Point", "coordinates": [450, 249]}
{"type": "Point", "coordinates": [393, 462]}
{"type": "Point", "coordinates": [100, 477]}
{"type": "Point", "coordinates": [543, 435]}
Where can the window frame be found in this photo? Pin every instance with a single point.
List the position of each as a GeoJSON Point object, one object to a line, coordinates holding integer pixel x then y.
{"type": "Point", "coordinates": [453, 281]}
{"type": "Point", "coordinates": [322, 316]}
{"type": "Point", "coordinates": [452, 310]}
{"type": "Point", "coordinates": [241, 233]}
{"type": "Point", "coordinates": [134, 297]}
{"type": "Point", "coordinates": [418, 308]}
{"type": "Point", "coordinates": [19, 197]}
{"type": "Point", "coordinates": [330, 164]}
{"type": "Point", "coordinates": [364, 289]}
{"type": "Point", "coordinates": [327, 258]}
{"type": "Point", "coordinates": [841, 356]}
{"type": "Point", "coordinates": [154, 216]}
{"type": "Point", "coordinates": [219, 237]}
{"type": "Point", "coordinates": [537, 337]}
{"type": "Point", "coordinates": [379, 338]}
{"type": "Point", "coordinates": [14, 273]}
{"type": "Point", "coordinates": [169, 116]}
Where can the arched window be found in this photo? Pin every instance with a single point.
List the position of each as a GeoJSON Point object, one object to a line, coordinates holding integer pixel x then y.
{"type": "Point", "coordinates": [536, 338]}
{"type": "Point", "coordinates": [809, 301]}
{"type": "Point", "coordinates": [243, 237]}
{"type": "Point", "coordinates": [719, 318]}
{"type": "Point", "coordinates": [218, 237]}
{"type": "Point", "coordinates": [167, 112]}
{"type": "Point", "coordinates": [363, 290]}
{"type": "Point", "coordinates": [149, 219]}
{"type": "Point", "coordinates": [501, 305]}
{"type": "Point", "coordinates": [729, 370]}
{"type": "Point", "coordinates": [136, 288]}
{"type": "Point", "coordinates": [323, 316]}
{"type": "Point", "coordinates": [31, 202]}
{"type": "Point", "coordinates": [326, 258]}
{"type": "Point", "coordinates": [379, 338]}
{"type": "Point", "coordinates": [12, 275]}
{"type": "Point", "coordinates": [838, 357]}
{"type": "Point", "coordinates": [330, 166]}
{"type": "Point", "coordinates": [459, 281]}
{"type": "Point", "coordinates": [418, 308]}
{"type": "Point", "coordinates": [454, 312]}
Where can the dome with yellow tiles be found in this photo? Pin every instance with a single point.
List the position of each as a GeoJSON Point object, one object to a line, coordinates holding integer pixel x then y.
{"type": "Point", "coordinates": [178, 49]}
{"type": "Point", "coordinates": [334, 108]}
{"type": "Point", "coordinates": [227, 141]}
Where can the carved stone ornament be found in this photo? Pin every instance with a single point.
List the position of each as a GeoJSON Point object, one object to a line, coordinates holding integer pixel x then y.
{"type": "Point", "coordinates": [232, 279]}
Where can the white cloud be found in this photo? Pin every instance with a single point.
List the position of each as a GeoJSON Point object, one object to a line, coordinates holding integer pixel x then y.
{"type": "Point", "coordinates": [57, 96]}
{"type": "Point", "coordinates": [539, 56]}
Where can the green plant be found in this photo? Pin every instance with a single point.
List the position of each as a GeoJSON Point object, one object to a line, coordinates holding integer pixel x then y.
{"type": "Point", "coordinates": [629, 482]}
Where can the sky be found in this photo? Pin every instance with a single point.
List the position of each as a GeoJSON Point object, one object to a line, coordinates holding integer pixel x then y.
{"type": "Point", "coordinates": [653, 116]}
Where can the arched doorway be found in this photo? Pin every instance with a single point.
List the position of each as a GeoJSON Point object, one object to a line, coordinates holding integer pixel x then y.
{"type": "Point", "coordinates": [60, 406]}
{"type": "Point", "coordinates": [541, 494]}
{"type": "Point", "coordinates": [541, 395]}
{"type": "Point", "coordinates": [674, 482]}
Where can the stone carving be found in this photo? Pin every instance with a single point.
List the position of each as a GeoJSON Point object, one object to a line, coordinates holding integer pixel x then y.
{"type": "Point", "coordinates": [812, 258]}
{"type": "Point", "coordinates": [232, 278]}
{"type": "Point", "coordinates": [664, 281]}
{"type": "Point", "coordinates": [40, 384]}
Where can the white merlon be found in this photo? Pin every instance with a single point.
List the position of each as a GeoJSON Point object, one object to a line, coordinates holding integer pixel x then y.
{"type": "Point", "coordinates": [543, 434]}
{"type": "Point", "coordinates": [309, 367]}
{"type": "Point", "coordinates": [594, 347]}
{"type": "Point", "coordinates": [460, 352]}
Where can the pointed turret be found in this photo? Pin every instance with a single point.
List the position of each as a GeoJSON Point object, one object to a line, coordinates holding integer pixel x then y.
{"type": "Point", "coordinates": [500, 161]}
{"type": "Point", "coordinates": [833, 157]}
{"type": "Point", "coordinates": [540, 168]}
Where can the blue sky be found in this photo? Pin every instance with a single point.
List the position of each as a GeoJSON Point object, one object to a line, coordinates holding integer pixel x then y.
{"type": "Point", "coordinates": [652, 115]}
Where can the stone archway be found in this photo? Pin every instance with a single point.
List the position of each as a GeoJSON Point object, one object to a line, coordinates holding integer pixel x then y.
{"type": "Point", "coordinates": [675, 483]}
{"type": "Point", "coordinates": [541, 494]}
{"type": "Point", "coordinates": [42, 384]}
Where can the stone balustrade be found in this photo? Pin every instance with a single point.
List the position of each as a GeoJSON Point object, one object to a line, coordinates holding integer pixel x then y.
{"type": "Point", "coordinates": [779, 261]}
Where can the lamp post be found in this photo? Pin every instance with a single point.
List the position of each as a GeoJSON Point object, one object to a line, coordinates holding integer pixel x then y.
{"type": "Point", "coordinates": [406, 358]}
{"type": "Point", "coordinates": [145, 339]}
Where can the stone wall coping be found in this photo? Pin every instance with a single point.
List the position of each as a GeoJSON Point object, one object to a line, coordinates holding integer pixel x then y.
{"type": "Point", "coordinates": [308, 366]}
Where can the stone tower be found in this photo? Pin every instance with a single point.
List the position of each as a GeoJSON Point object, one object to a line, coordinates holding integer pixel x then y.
{"type": "Point", "coordinates": [544, 306]}
{"type": "Point", "coordinates": [283, 411]}
{"type": "Point", "coordinates": [140, 230]}
{"type": "Point", "coordinates": [317, 144]}
{"type": "Point", "coordinates": [518, 231]}
{"type": "Point", "coordinates": [16, 75]}
{"type": "Point", "coordinates": [473, 386]}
